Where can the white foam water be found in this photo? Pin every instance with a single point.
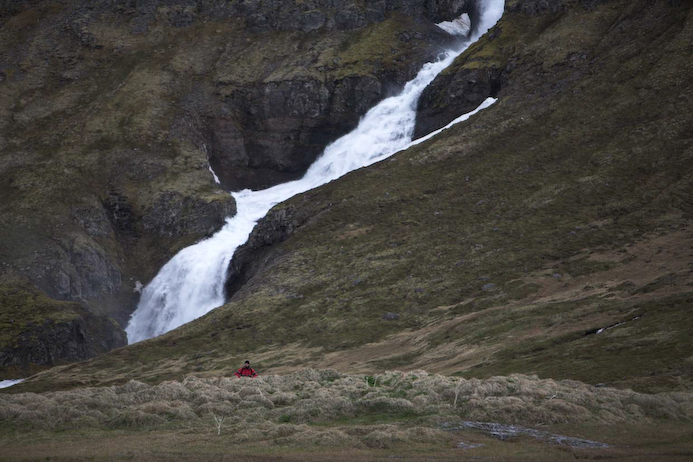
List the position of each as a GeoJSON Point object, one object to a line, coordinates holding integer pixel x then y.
{"type": "Point", "coordinates": [214, 175]}
{"type": "Point", "coordinates": [192, 283]}
{"type": "Point", "coordinates": [9, 383]}
{"type": "Point", "coordinates": [460, 26]}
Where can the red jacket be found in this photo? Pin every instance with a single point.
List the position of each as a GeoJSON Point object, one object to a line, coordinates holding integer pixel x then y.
{"type": "Point", "coordinates": [246, 372]}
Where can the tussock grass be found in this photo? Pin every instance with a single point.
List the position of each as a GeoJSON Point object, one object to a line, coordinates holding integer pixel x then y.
{"type": "Point", "coordinates": [326, 408]}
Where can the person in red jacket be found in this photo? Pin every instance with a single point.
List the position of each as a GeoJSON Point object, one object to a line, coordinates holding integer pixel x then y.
{"type": "Point", "coordinates": [246, 371]}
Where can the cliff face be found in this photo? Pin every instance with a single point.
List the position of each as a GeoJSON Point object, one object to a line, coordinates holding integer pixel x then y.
{"type": "Point", "coordinates": [282, 103]}
{"type": "Point", "coordinates": [39, 332]}
{"type": "Point", "coordinates": [504, 244]}
{"type": "Point", "coordinates": [112, 112]}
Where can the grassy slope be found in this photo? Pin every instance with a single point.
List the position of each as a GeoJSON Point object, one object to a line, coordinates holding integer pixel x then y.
{"type": "Point", "coordinates": [571, 196]}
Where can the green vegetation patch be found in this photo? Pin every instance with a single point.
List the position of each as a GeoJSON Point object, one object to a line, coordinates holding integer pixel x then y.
{"type": "Point", "coordinates": [24, 307]}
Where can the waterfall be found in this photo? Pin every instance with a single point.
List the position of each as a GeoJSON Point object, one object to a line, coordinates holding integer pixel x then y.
{"type": "Point", "coordinates": [9, 383]}
{"type": "Point", "coordinates": [192, 283]}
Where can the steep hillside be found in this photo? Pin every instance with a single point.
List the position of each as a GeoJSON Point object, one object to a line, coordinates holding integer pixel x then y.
{"type": "Point", "coordinates": [111, 113]}
{"type": "Point", "coordinates": [504, 244]}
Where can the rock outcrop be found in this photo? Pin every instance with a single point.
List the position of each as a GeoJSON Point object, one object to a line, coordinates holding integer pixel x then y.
{"type": "Point", "coordinates": [283, 126]}
{"type": "Point", "coordinates": [482, 72]}
{"type": "Point", "coordinates": [458, 91]}
{"type": "Point", "coordinates": [278, 225]}
{"type": "Point", "coordinates": [39, 332]}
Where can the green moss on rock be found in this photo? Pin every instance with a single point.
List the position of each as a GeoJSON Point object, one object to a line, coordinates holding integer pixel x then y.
{"type": "Point", "coordinates": [37, 332]}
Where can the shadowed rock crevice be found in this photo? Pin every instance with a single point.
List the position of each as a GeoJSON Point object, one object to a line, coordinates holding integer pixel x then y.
{"type": "Point", "coordinates": [454, 94]}
{"type": "Point", "coordinates": [277, 226]}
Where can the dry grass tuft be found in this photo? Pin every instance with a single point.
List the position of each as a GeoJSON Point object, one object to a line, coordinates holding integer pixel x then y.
{"type": "Point", "coordinates": [278, 407]}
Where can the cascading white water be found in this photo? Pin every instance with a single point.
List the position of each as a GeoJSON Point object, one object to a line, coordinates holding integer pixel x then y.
{"type": "Point", "coordinates": [460, 26]}
{"type": "Point", "coordinates": [192, 283]}
{"type": "Point", "coordinates": [10, 383]}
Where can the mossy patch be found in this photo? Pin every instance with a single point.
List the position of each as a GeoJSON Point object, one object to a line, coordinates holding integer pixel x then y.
{"type": "Point", "coordinates": [24, 306]}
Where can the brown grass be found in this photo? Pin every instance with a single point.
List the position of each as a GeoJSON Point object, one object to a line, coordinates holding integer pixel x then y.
{"type": "Point", "coordinates": [325, 415]}
{"type": "Point", "coordinates": [279, 407]}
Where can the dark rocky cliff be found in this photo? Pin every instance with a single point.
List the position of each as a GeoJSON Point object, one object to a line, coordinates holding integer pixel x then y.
{"type": "Point", "coordinates": [39, 332]}
{"type": "Point", "coordinates": [111, 112]}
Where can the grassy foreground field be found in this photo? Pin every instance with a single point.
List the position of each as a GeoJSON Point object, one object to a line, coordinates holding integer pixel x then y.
{"type": "Point", "coordinates": [325, 415]}
{"type": "Point", "coordinates": [634, 443]}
